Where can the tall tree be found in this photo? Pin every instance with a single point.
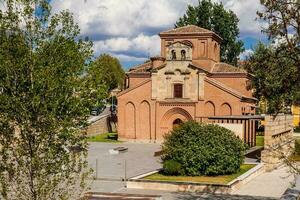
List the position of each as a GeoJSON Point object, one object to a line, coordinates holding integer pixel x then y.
{"type": "Point", "coordinates": [44, 102]}
{"type": "Point", "coordinates": [275, 77]}
{"type": "Point", "coordinates": [277, 67]}
{"type": "Point", "coordinates": [215, 17]}
{"type": "Point", "coordinates": [283, 18]}
{"type": "Point", "coordinates": [108, 71]}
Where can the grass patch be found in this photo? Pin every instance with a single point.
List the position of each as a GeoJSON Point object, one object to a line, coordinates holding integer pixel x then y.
{"type": "Point", "coordinates": [260, 141]}
{"type": "Point", "coordinates": [222, 179]}
{"type": "Point", "coordinates": [106, 137]}
{"type": "Point", "coordinates": [294, 157]}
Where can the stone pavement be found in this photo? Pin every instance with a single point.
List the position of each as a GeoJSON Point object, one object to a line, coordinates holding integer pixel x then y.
{"type": "Point", "coordinates": [269, 184]}
{"type": "Point", "coordinates": [137, 160]}
{"type": "Point", "coordinates": [140, 159]}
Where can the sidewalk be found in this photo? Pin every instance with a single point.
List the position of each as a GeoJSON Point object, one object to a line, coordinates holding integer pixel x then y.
{"type": "Point", "coordinates": [269, 184]}
{"type": "Point", "coordinates": [192, 196]}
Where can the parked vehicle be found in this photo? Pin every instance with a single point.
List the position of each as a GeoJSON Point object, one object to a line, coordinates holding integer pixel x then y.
{"type": "Point", "coordinates": [95, 111]}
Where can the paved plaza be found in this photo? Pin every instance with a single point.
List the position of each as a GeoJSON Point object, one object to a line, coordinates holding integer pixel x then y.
{"type": "Point", "coordinates": [139, 159]}
{"type": "Point", "coordinates": [271, 184]}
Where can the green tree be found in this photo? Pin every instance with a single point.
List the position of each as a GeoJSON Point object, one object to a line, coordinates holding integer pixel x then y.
{"type": "Point", "coordinates": [275, 77]}
{"type": "Point", "coordinates": [44, 103]}
{"type": "Point", "coordinates": [277, 67]}
{"type": "Point", "coordinates": [107, 70]}
{"type": "Point", "coordinates": [284, 28]}
{"type": "Point", "coordinates": [283, 20]}
{"type": "Point", "coordinates": [215, 17]}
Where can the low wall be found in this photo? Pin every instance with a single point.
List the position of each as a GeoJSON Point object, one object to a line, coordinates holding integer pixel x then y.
{"type": "Point", "coordinates": [173, 186]}
{"type": "Point", "coordinates": [278, 141]}
{"type": "Point", "coordinates": [238, 129]}
{"type": "Point", "coordinates": [100, 125]}
{"type": "Point", "coordinates": [178, 187]}
{"type": "Point", "coordinates": [244, 126]}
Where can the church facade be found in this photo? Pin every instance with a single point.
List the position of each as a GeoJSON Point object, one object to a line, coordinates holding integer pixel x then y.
{"type": "Point", "coordinates": [186, 82]}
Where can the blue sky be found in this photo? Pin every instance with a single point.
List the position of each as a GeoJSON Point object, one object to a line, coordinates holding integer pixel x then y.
{"type": "Point", "coordinates": [128, 29]}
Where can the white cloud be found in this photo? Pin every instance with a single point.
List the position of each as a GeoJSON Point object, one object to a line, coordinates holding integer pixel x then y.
{"type": "Point", "coordinates": [126, 58]}
{"type": "Point", "coordinates": [246, 12]}
{"type": "Point", "coordinates": [142, 44]}
{"type": "Point", "coordinates": [126, 28]}
{"type": "Point", "coordinates": [2, 6]}
{"type": "Point", "coordinates": [123, 17]}
{"type": "Point", "coordinates": [246, 54]}
{"type": "Point", "coordinates": [129, 28]}
{"type": "Point", "coordinates": [276, 42]}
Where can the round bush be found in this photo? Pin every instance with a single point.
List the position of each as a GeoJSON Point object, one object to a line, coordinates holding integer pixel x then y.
{"type": "Point", "coordinates": [203, 149]}
{"type": "Point", "coordinates": [171, 167]}
{"type": "Point", "coordinates": [297, 147]}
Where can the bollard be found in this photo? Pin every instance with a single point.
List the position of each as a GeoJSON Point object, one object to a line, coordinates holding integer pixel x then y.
{"type": "Point", "coordinates": [96, 169]}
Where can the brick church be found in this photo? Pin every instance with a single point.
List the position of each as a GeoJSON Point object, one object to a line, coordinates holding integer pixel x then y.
{"type": "Point", "coordinates": [186, 82]}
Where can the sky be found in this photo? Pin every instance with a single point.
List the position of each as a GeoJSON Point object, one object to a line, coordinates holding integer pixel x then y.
{"type": "Point", "coordinates": [128, 29]}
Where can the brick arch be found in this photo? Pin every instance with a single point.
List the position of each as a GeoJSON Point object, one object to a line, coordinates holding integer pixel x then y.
{"type": "Point", "coordinates": [145, 120]}
{"type": "Point", "coordinates": [225, 109]}
{"type": "Point", "coordinates": [130, 120]}
{"type": "Point", "coordinates": [170, 116]}
{"type": "Point", "coordinates": [209, 108]}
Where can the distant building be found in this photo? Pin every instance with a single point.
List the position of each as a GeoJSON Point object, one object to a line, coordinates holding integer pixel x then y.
{"type": "Point", "coordinates": [296, 114]}
{"type": "Point", "coordinates": [186, 82]}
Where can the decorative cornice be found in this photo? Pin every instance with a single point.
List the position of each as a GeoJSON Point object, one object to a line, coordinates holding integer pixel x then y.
{"type": "Point", "coordinates": [157, 58]}
{"type": "Point", "coordinates": [139, 74]}
{"type": "Point", "coordinates": [192, 104]}
{"type": "Point", "coordinates": [229, 75]}
{"type": "Point", "coordinates": [195, 35]}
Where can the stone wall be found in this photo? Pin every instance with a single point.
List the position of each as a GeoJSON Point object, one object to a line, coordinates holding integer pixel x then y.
{"type": "Point", "coordinates": [279, 140]}
{"type": "Point", "coordinates": [177, 72]}
{"type": "Point", "coordinates": [100, 125]}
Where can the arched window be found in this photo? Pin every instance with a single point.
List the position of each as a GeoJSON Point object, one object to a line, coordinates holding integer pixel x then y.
{"type": "Point", "coordinates": [173, 52]}
{"type": "Point", "coordinates": [177, 122]}
{"type": "Point", "coordinates": [178, 90]}
{"type": "Point", "coordinates": [183, 55]}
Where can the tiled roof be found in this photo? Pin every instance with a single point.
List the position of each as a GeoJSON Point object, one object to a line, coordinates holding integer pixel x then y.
{"type": "Point", "coordinates": [224, 67]}
{"type": "Point", "coordinates": [134, 87]}
{"type": "Point", "coordinates": [228, 89]}
{"type": "Point", "coordinates": [141, 68]}
{"type": "Point", "coordinates": [187, 29]}
{"type": "Point", "coordinates": [216, 68]}
{"type": "Point", "coordinates": [206, 68]}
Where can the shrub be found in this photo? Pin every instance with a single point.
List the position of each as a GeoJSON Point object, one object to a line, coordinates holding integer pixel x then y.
{"type": "Point", "coordinates": [203, 149]}
{"type": "Point", "coordinates": [297, 147]}
{"type": "Point", "coordinates": [171, 167]}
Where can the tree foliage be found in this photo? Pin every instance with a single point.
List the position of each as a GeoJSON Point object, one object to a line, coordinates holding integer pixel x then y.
{"type": "Point", "coordinates": [215, 17]}
{"type": "Point", "coordinates": [107, 70]}
{"type": "Point", "coordinates": [277, 67]}
{"type": "Point", "coordinates": [202, 149]}
{"type": "Point", "coordinates": [275, 77]}
{"type": "Point", "coordinates": [283, 20]}
{"type": "Point", "coordinates": [44, 102]}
